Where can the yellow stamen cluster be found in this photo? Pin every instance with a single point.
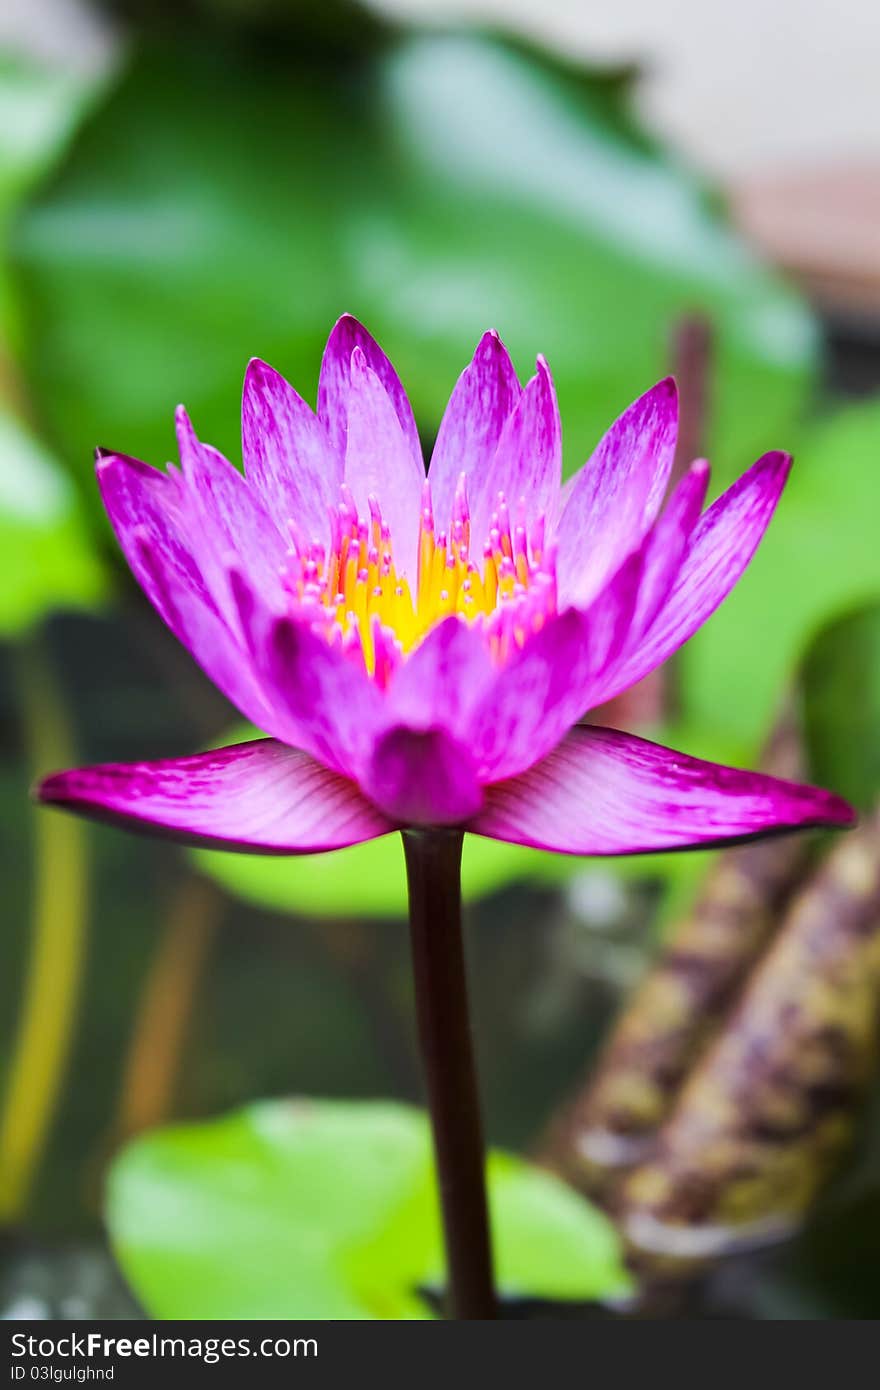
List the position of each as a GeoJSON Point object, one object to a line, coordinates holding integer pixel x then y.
{"type": "Point", "coordinates": [354, 593]}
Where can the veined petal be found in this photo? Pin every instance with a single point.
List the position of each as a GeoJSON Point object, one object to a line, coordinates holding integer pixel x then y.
{"type": "Point", "coordinates": [148, 513]}
{"type": "Point", "coordinates": [321, 696]}
{"type": "Point", "coordinates": [720, 548]}
{"type": "Point", "coordinates": [379, 463]}
{"type": "Point", "coordinates": [423, 778]}
{"type": "Point", "coordinates": [528, 461]}
{"type": "Point", "coordinates": [666, 543]}
{"type": "Point", "coordinates": [605, 792]}
{"type": "Point", "coordinates": [443, 681]}
{"type": "Point", "coordinates": [334, 386]}
{"type": "Point", "coordinates": [551, 682]}
{"type": "Point", "coordinates": [470, 432]}
{"type": "Point", "coordinates": [228, 518]}
{"type": "Point", "coordinates": [261, 798]}
{"type": "Point", "coordinates": [617, 494]}
{"type": "Point", "coordinates": [287, 454]}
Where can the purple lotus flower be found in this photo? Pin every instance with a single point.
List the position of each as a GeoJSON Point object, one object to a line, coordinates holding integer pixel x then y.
{"type": "Point", "coordinates": [420, 651]}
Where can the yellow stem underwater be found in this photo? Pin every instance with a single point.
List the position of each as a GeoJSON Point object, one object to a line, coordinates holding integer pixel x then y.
{"type": "Point", "coordinates": [41, 1049]}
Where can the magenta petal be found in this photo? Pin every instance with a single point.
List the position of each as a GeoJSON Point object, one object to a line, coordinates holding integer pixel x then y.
{"type": "Point", "coordinates": [535, 698]}
{"type": "Point", "coordinates": [617, 494]}
{"type": "Point", "coordinates": [261, 798]}
{"type": "Point", "coordinates": [528, 460]}
{"type": "Point", "coordinates": [287, 454]}
{"type": "Point", "coordinates": [423, 778]}
{"type": "Point", "coordinates": [228, 518]}
{"type": "Point", "coordinates": [147, 510]}
{"type": "Point", "coordinates": [322, 699]}
{"type": "Point", "coordinates": [720, 548]}
{"type": "Point", "coordinates": [665, 545]}
{"type": "Point", "coordinates": [469, 435]}
{"type": "Point", "coordinates": [443, 681]}
{"type": "Point", "coordinates": [605, 792]}
{"type": "Point", "coordinates": [335, 384]}
{"type": "Point", "coordinates": [380, 464]}
{"type": "Point", "coordinates": [553, 680]}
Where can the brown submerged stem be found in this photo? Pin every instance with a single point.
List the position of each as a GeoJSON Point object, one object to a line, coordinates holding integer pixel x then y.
{"type": "Point", "coordinates": [433, 869]}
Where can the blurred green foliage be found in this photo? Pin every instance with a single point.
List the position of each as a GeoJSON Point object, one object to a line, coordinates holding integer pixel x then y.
{"type": "Point", "coordinates": [841, 705]}
{"type": "Point", "coordinates": [222, 204]}
{"type": "Point", "coordinates": [48, 560]}
{"type": "Point", "coordinates": [313, 1209]}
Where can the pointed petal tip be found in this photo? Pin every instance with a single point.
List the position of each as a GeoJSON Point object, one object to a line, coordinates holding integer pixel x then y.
{"type": "Point", "coordinates": [836, 811]}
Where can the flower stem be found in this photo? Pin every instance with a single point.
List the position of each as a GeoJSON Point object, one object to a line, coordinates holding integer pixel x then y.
{"type": "Point", "coordinates": [433, 869]}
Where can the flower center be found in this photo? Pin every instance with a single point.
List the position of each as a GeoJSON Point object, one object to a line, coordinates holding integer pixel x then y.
{"type": "Point", "coordinates": [353, 593]}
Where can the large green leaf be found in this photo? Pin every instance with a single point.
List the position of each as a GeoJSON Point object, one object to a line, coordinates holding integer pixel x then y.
{"type": "Point", "coordinates": [46, 558]}
{"type": "Point", "coordinates": [225, 204]}
{"type": "Point", "coordinates": [318, 1209]}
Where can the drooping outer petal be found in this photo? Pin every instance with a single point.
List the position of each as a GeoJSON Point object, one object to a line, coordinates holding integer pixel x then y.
{"type": "Point", "coordinates": [334, 386]}
{"type": "Point", "coordinates": [470, 432]}
{"type": "Point", "coordinates": [287, 454]}
{"type": "Point", "coordinates": [617, 494]}
{"type": "Point", "coordinates": [261, 798]}
{"type": "Point", "coordinates": [606, 792]}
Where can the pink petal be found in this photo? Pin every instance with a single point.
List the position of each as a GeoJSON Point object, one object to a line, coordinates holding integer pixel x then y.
{"type": "Point", "coordinates": [335, 384]}
{"type": "Point", "coordinates": [423, 778]}
{"type": "Point", "coordinates": [719, 549]}
{"type": "Point", "coordinates": [469, 435]}
{"type": "Point", "coordinates": [442, 682]}
{"type": "Point", "coordinates": [605, 792]}
{"type": "Point", "coordinates": [379, 463]}
{"type": "Point", "coordinates": [665, 545]}
{"type": "Point", "coordinates": [148, 512]}
{"type": "Point", "coordinates": [321, 697]}
{"type": "Point", "coordinates": [551, 682]}
{"type": "Point", "coordinates": [228, 518]}
{"type": "Point", "coordinates": [260, 798]}
{"type": "Point", "coordinates": [528, 461]}
{"type": "Point", "coordinates": [617, 494]}
{"type": "Point", "coordinates": [287, 454]}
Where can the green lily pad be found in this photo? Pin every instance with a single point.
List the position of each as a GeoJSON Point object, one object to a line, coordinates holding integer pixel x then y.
{"type": "Point", "coordinates": [222, 203]}
{"type": "Point", "coordinates": [320, 1209]}
{"type": "Point", "coordinates": [47, 557]}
